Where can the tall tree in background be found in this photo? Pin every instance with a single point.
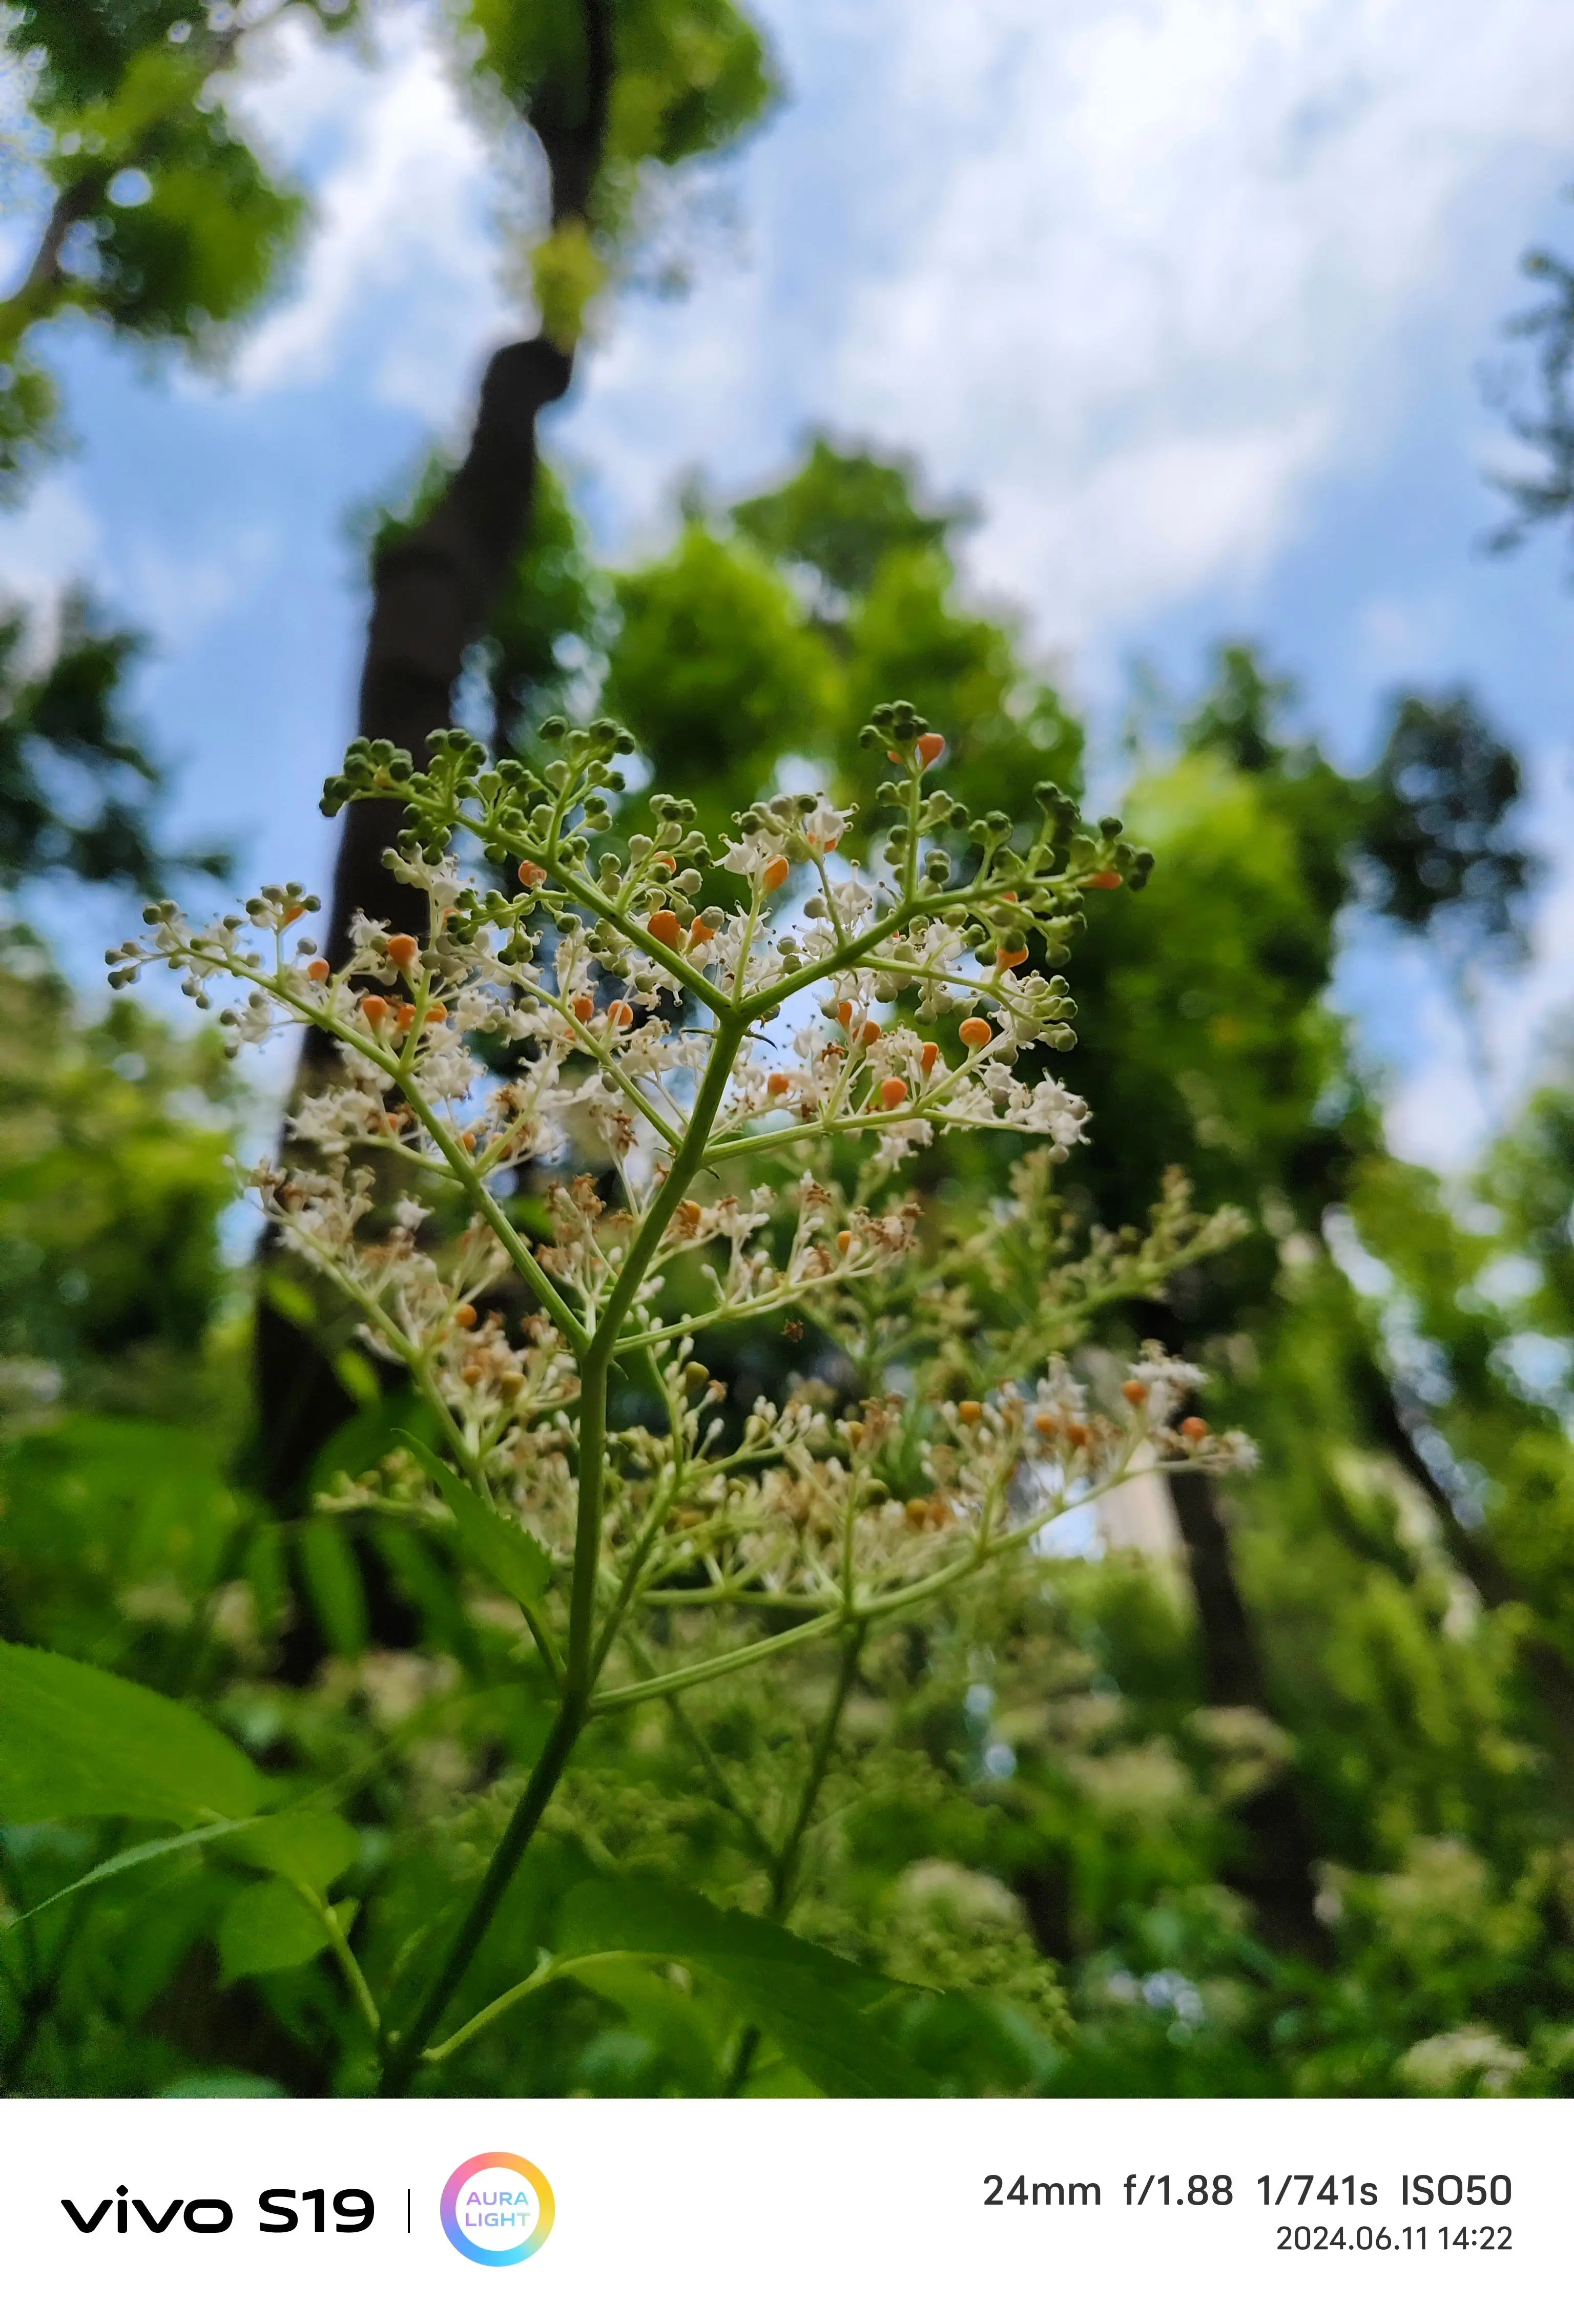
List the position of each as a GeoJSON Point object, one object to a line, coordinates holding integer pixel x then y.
{"type": "Point", "coordinates": [165, 225]}
{"type": "Point", "coordinates": [615, 92]}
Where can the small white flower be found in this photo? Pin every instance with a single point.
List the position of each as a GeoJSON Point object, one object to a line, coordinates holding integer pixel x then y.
{"type": "Point", "coordinates": [825, 825]}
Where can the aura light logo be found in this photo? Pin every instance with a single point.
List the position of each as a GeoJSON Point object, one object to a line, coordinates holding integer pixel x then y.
{"type": "Point", "coordinates": [498, 2208]}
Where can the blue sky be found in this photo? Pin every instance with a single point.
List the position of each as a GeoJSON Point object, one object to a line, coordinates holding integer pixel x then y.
{"type": "Point", "coordinates": [1190, 295]}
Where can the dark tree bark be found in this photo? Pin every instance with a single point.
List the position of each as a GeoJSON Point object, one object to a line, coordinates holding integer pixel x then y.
{"type": "Point", "coordinates": [433, 593]}
{"type": "Point", "coordinates": [1274, 1873]}
{"type": "Point", "coordinates": [1274, 1869]}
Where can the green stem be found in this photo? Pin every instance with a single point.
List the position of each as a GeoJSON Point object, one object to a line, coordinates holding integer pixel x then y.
{"type": "Point", "coordinates": [548, 1972]}
{"type": "Point", "coordinates": [404, 2058]}
{"type": "Point", "coordinates": [598, 1357]}
{"type": "Point", "coordinates": [580, 1661]}
{"type": "Point", "coordinates": [678, 1681]}
{"type": "Point", "coordinates": [789, 1855]}
{"type": "Point", "coordinates": [354, 1977]}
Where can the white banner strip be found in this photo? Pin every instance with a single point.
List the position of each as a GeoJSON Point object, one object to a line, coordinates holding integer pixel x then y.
{"type": "Point", "coordinates": [235, 2210]}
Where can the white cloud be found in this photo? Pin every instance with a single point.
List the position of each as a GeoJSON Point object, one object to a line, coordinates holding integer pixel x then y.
{"type": "Point", "coordinates": [49, 542]}
{"type": "Point", "coordinates": [399, 267]}
{"type": "Point", "coordinates": [181, 593]}
{"type": "Point", "coordinates": [1137, 274]}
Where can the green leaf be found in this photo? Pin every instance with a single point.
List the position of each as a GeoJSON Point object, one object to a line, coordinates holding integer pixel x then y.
{"type": "Point", "coordinates": [672, 2022]}
{"type": "Point", "coordinates": [76, 1741]}
{"type": "Point", "coordinates": [815, 2005]}
{"type": "Point", "coordinates": [268, 1925]}
{"type": "Point", "coordinates": [127, 1859]}
{"type": "Point", "coordinates": [332, 1579]}
{"type": "Point", "coordinates": [508, 1552]}
{"type": "Point", "coordinates": [312, 1845]}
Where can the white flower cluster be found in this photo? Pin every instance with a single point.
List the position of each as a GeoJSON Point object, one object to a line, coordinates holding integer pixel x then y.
{"type": "Point", "coordinates": [568, 1133]}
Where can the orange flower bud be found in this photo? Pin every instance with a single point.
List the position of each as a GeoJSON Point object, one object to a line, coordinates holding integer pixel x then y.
{"type": "Point", "coordinates": [1078, 1431]}
{"type": "Point", "coordinates": [929, 1057]}
{"type": "Point", "coordinates": [869, 1032]}
{"type": "Point", "coordinates": [467, 1140]}
{"type": "Point", "coordinates": [1047, 1425]}
{"type": "Point", "coordinates": [374, 1009]}
{"type": "Point", "coordinates": [970, 1412]}
{"type": "Point", "coordinates": [893, 1092]}
{"type": "Point", "coordinates": [664, 862]}
{"type": "Point", "coordinates": [1134, 1392]}
{"type": "Point", "coordinates": [844, 1243]}
{"type": "Point", "coordinates": [844, 1013]}
{"type": "Point", "coordinates": [975, 1031]}
{"type": "Point", "coordinates": [293, 912]}
{"type": "Point", "coordinates": [930, 746]}
{"type": "Point", "coordinates": [1194, 1429]}
{"type": "Point", "coordinates": [619, 1012]}
{"type": "Point", "coordinates": [583, 1008]}
{"type": "Point", "coordinates": [774, 873]}
{"type": "Point", "coordinates": [779, 1084]}
{"type": "Point", "coordinates": [530, 874]}
{"type": "Point", "coordinates": [437, 1013]}
{"type": "Point", "coordinates": [319, 971]}
{"type": "Point", "coordinates": [403, 951]}
{"type": "Point", "coordinates": [1105, 880]}
{"type": "Point", "coordinates": [404, 1017]}
{"type": "Point", "coordinates": [665, 927]}
{"type": "Point", "coordinates": [464, 1316]}
{"type": "Point", "coordinates": [688, 1215]}
{"type": "Point", "coordinates": [1013, 958]}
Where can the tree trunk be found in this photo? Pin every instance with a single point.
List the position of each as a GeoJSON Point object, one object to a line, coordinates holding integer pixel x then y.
{"type": "Point", "coordinates": [432, 593]}
{"type": "Point", "coordinates": [1275, 1874]}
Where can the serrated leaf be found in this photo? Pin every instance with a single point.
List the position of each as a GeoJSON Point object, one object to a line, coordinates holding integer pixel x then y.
{"type": "Point", "coordinates": [126, 1859]}
{"type": "Point", "coordinates": [267, 1925]}
{"type": "Point", "coordinates": [309, 1844]}
{"type": "Point", "coordinates": [76, 1741]}
{"type": "Point", "coordinates": [815, 2005]}
{"type": "Point", "coordinates": [508, 1552]}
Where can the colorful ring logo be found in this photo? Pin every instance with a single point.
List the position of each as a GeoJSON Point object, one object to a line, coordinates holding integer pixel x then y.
{"type": "Point", "coordinates": [498, 2208]}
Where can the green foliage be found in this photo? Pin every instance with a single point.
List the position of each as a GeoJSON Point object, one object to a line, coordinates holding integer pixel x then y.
{"type": "Point", "coordinates": [76, 782]}
{"type": "Point", "coordinates": [1442, 792]}
{"type": "Point", "coordinates": [717, 671]}
{"type": "Point", "coordinates": [814, 2005]}
{"type": "Point", "coordinates": [267, 1926]}
{"type": "Point", "coordinates": [508, 1555]}
{"type": "Point", "coordinates": [113, 1180]}
{"type": "Point", "coordinates": [179, 229]}
{"type": "Point", "coordinates": [843, 512]}
{"type": "Point", "coordinates": [311, 1846]}
{"type": "Point", "coordinates": [76, 1741]}
{"type": "Point", "coordinates": [690, 76]}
